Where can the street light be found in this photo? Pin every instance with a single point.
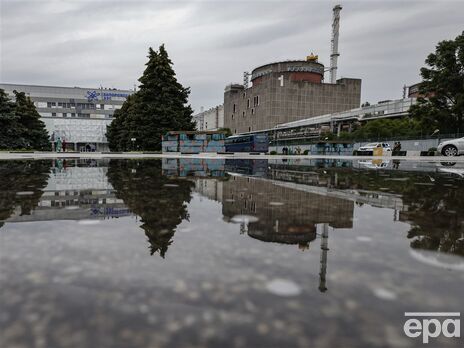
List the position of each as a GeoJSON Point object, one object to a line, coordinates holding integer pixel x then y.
{"type": "Point", "coordinates": [133, 143]}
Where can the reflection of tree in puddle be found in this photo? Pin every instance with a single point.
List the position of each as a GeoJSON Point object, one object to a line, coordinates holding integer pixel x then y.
{"type": "Point", "coordinates": [436, 214]}
{"type": "Point", "coordinates": [21, 186]}
{"type": "Point", "coordinates": [161, 202]}
{"type": "Point", "coordinates": [432, 204]}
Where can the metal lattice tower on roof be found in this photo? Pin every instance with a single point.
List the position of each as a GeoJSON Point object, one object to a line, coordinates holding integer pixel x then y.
{"type": "Point", "coordinates": [334, 43]}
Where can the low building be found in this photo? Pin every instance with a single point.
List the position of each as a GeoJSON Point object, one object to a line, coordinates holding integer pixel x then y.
{"type": "Point", "coordinates": [193, 141]}
{"type": "Point", "coordinates": [284, 92]}
{"type": "Point", "coordinates": [211, 119]}
{"type": "Point", "coordinates": [78, 116]}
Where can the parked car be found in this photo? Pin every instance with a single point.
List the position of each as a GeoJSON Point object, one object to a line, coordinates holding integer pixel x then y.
{"type": "Point", "coordinates": [454, 147]}
{"type": "Point", "coordinates": [371, 146]}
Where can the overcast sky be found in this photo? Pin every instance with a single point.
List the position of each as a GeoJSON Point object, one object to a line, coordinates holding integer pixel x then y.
{"type": "Point", "coordinates": [92, 43]}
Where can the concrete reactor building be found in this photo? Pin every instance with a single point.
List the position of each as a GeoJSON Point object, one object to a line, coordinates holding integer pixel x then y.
{"type": "Point", "coordinates": [284, 92]}
{"type": "Point", "coordinates": [287, 91]}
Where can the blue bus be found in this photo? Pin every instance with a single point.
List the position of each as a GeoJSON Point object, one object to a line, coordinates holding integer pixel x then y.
{"type": "Point", "coordinates": [247, 143]}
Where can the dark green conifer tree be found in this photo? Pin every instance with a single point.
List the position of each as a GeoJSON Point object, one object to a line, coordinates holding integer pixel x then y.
{"type": "Point", "coordinates": [32, 129]}
{"type": "Point", "coordinates": [117, 132]}
{"type": "Point", "coordinates": [160, 105]}
{"type": "Point", "coordinates": [9, 125]}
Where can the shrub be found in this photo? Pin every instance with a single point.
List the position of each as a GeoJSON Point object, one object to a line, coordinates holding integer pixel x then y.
{"type": "Point", "coordinates": [273, 153]}
{"type": "Point", "coordinates": [305, 152]}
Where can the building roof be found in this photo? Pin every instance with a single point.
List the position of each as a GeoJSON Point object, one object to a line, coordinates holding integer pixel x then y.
{"type": "Point", "coordinates": [194, 132]}
{"type": "Point", "coordinates": [66, 87]}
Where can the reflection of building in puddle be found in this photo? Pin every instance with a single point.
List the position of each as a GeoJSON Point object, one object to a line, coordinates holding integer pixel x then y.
{"type": "Point", "coordinates": [195, 167]}
{"type": "Point", "coordinates": [275, 213]}
{"type": "Point", "coordinates": [74, 192]}
{"type": "Point", "coordinates": [209, 188]}
{"type": "Point", "coordinates": [251, 167]}
{"type": "Point", "coordinates": [282, 210]}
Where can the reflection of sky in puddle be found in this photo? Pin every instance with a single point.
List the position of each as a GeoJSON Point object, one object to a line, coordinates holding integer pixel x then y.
{"type": "Point", "coordinates": [276, 256]}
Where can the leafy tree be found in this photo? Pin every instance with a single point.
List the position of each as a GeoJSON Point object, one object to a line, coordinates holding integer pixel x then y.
{"type": "Point", "coordinates": [158, 106]}
{"type": "Point", "coordinates": [385, 128]}
{"type": "Point", "coordinates": [227, 132]}
{"type": "Point", "coordinates": [443, 86]}
{"type": "Point", "coordinates": [32, 128]}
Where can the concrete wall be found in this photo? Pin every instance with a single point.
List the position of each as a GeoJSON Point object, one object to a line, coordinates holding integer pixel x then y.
{"type": "Point", "coordinates": [287, 101]}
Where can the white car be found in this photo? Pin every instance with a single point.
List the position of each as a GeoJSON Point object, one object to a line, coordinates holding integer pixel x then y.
{"type": "Point", "coordinates": [453, 147]}
{"type": "Point", "coordinates": [371, 146]}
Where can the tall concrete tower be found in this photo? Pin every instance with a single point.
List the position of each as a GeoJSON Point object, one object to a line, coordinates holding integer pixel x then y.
{"type": "Point", "coordinates": [334, 43]}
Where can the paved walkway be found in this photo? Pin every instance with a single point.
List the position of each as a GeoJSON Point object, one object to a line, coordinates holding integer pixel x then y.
{"type": "Point", "coordinates": [97, 155]}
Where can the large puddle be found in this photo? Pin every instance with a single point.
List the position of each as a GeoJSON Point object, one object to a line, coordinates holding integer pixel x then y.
{"type": "Point", "coordinates": [227, 253]}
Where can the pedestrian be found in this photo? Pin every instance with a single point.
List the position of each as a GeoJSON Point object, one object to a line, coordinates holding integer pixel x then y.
{"type": "Point", "coordinates": [58, 145]}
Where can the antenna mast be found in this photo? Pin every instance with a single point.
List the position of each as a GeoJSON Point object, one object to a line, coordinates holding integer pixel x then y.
{"type": "Point", "coordinates": [334, 43]}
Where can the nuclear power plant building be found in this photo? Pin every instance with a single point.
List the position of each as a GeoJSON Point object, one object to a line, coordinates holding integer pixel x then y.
{"type": "Point", "coordinates": [286, 91]}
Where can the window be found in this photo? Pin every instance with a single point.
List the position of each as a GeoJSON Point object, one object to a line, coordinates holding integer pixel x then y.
{"type": "Point", "coordinates": [73, 114]}
{"type": "Point", "coordinates": [252, 111]}
{"type": "Point", "coordinates": [60, 104]}
{"type": "Point", "coordinates": [256, 100]}
{"type": "Point", "coordinates": [249, 129]}
{"type": "Point", "coordinates": [243, 114]}
{"type": "Point", "coordinates": [234, 108]}
{"type": "Point", "coordinates": [49, 104]}
{"type": "Point", "coordinates": [232, 116]}
{"type": "Point", "coordinates": [248, 103]}
{"type": "Point", "coordinates": [54, 114]}
{"type": "Point", "coordinates": [65, 114]}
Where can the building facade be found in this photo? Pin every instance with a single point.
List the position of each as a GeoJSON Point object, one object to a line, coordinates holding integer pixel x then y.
{"type": "Point", "coordinates": [284, 92]}
{"type": "Point", "coordinates": [211, 119]}
{"type": "Point", "coordinates": [77, 116]}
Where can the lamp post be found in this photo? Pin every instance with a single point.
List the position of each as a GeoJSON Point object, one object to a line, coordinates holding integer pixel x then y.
{"type": "Point", "coordinates": [133, 143]}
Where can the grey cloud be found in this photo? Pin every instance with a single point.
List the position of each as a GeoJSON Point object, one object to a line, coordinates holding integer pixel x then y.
{"type": "Point", "coordinates": [212, 42]}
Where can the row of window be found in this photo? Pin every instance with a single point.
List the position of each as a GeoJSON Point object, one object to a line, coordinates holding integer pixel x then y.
{"type": "Point", "coordinates": [89, 106]}
{"type": "Point", "coordinates": [71, 114]}
{"type": "Point", "coordinates": [244, 113]}
{"type": "Point", "coordinates": [71, 105]}
{"type": "Point", "coordinates": [255, 103]}
{"type": "Point", "coordinates": [249, 130]}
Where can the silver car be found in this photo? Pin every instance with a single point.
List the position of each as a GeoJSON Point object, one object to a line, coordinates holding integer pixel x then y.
{"type": "Point", "coordinates": [453, 147]}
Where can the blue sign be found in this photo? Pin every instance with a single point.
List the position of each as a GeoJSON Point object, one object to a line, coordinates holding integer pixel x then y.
{"type": "Point", "coordinates": [92, 96]}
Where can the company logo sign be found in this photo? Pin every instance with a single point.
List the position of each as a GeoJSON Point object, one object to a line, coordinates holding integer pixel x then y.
{"type": "Point", "coordinates": [95, 95]}
{"type": "Point", "coordinates": [432, 325]}
{"type": "Point", "coordinates": [92, 96]}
